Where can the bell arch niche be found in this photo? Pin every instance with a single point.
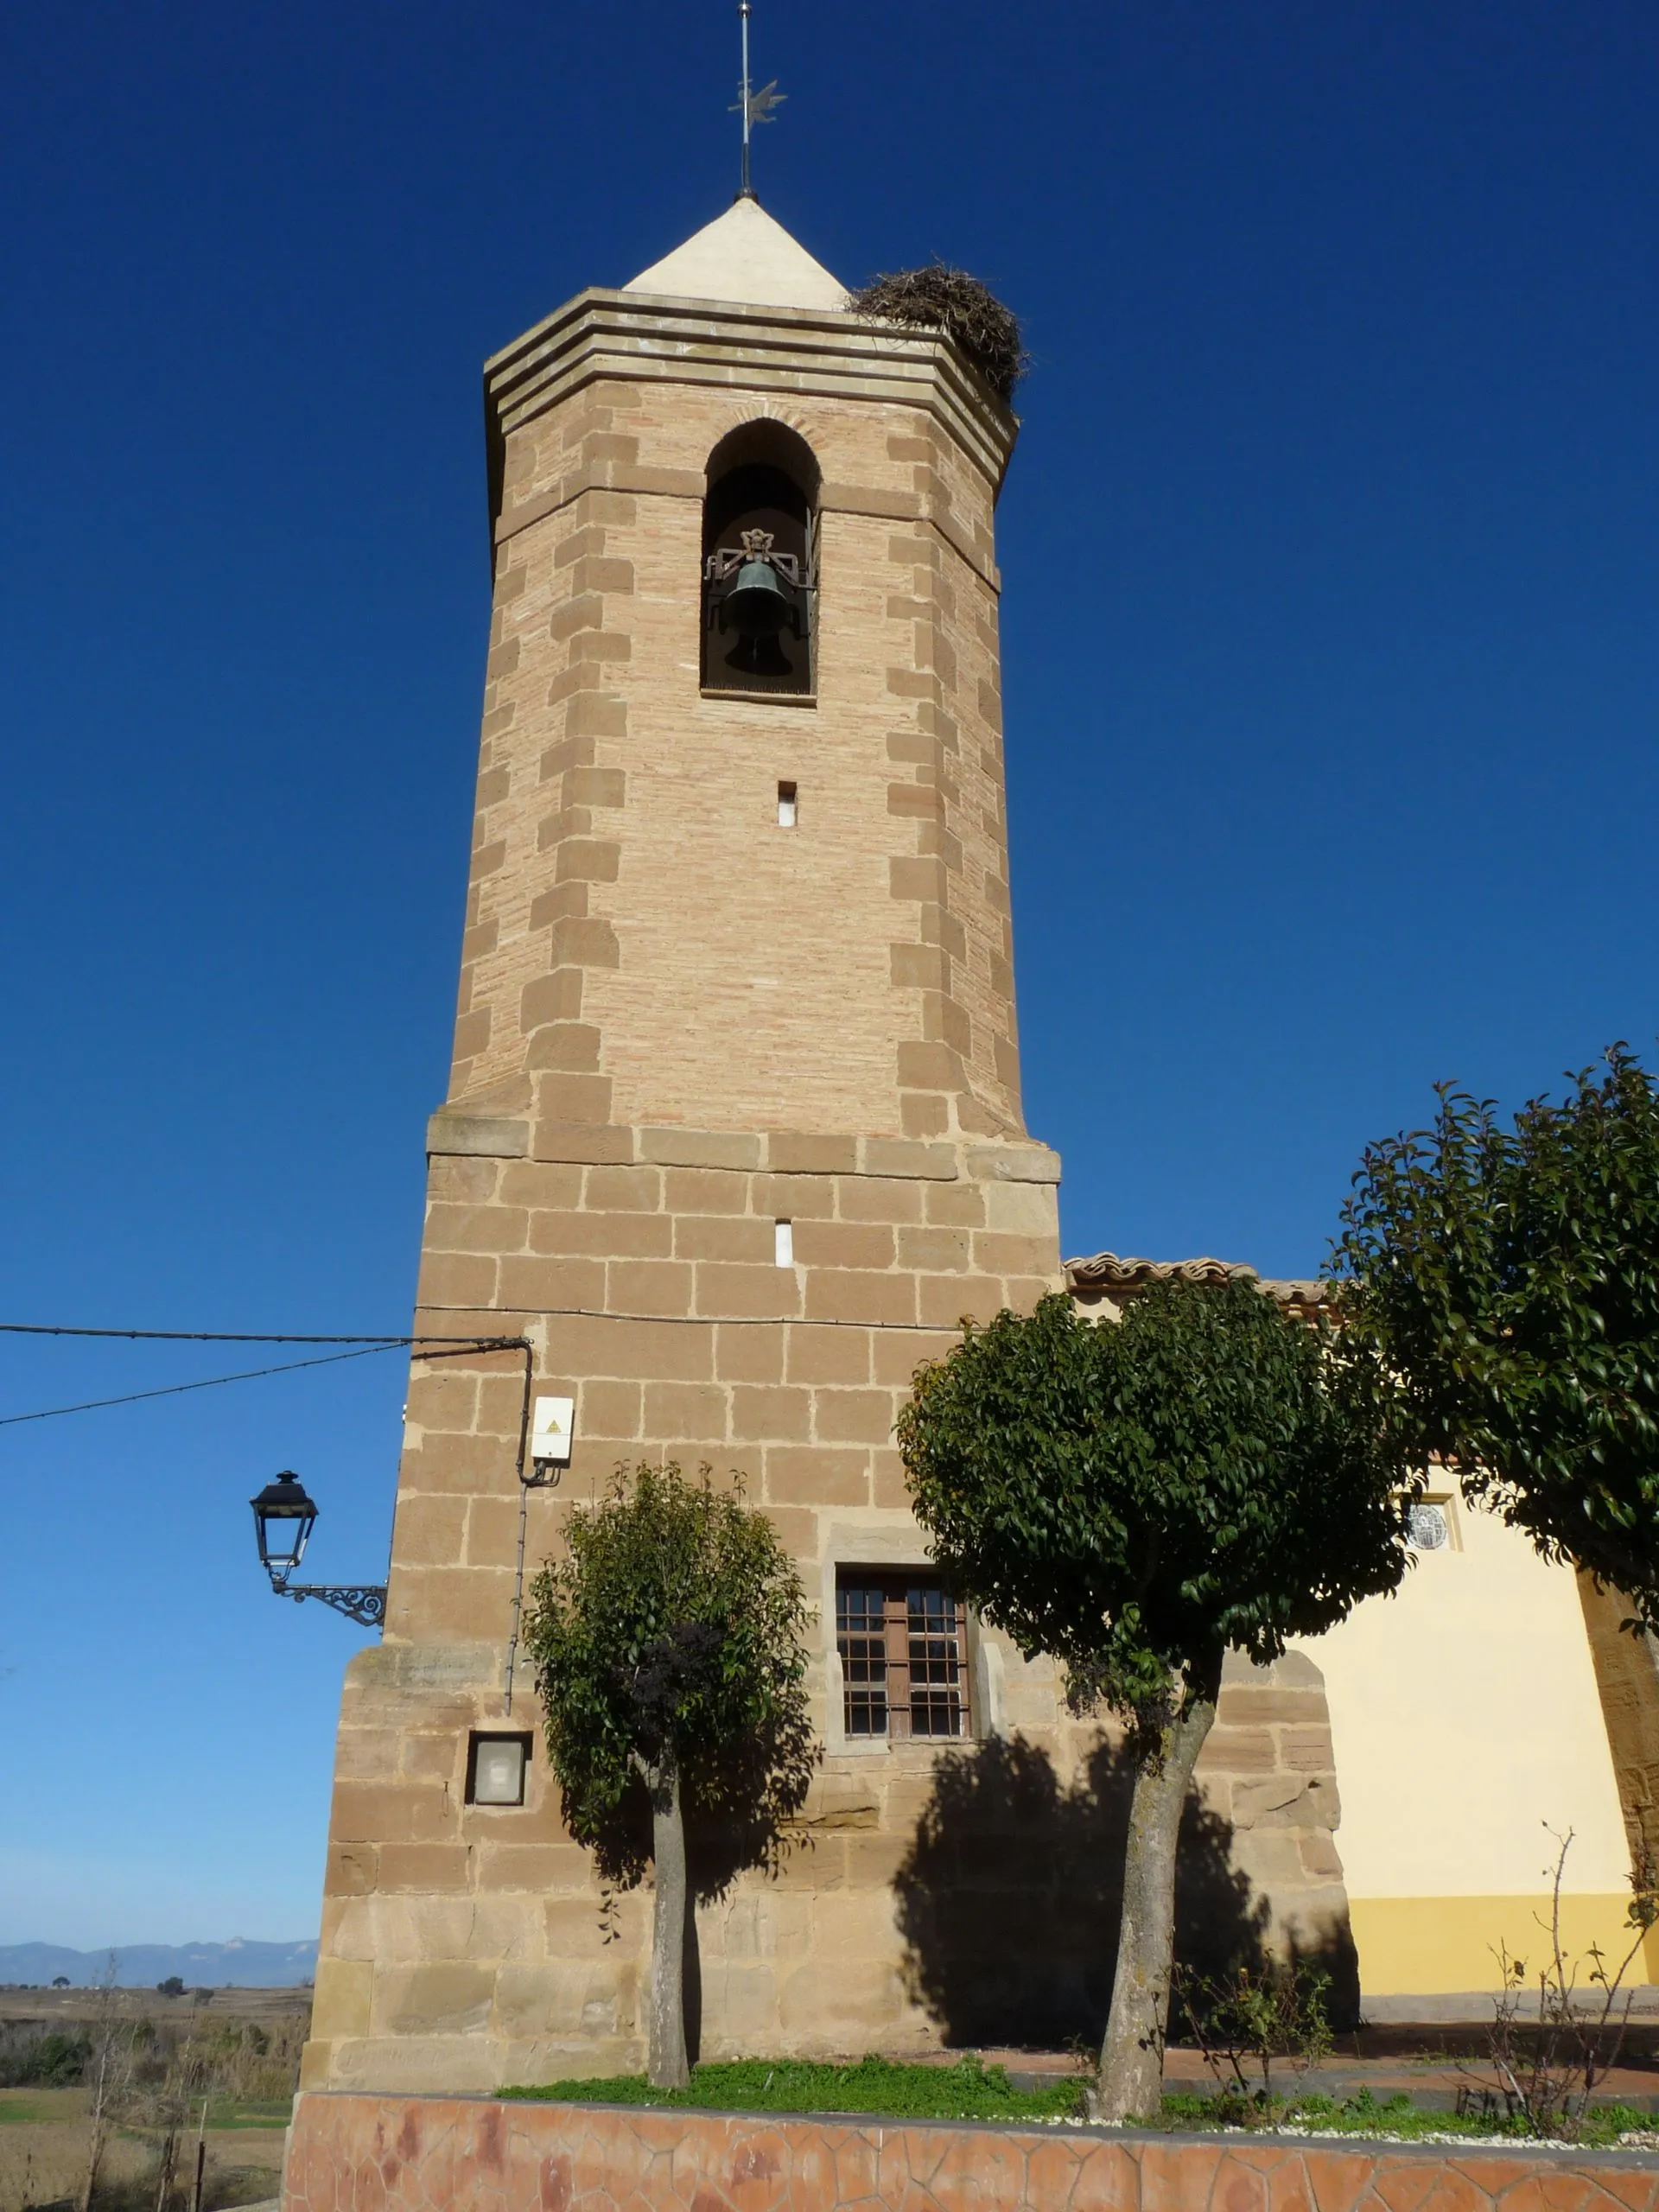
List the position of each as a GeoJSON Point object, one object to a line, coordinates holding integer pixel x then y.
{"type": "Point", "coordinates": [759, 563]}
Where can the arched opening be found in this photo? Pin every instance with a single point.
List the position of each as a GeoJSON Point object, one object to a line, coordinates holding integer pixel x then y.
{"type": "Point", "coordinates": [760, 561]}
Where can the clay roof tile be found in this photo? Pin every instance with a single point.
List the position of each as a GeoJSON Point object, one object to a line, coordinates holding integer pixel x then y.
{"type": "Point", "coordinates": [1109, 1271]}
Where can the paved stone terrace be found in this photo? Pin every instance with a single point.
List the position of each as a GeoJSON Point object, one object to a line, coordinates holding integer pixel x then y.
{"type": "Point", "coordinates": [352, 2154]}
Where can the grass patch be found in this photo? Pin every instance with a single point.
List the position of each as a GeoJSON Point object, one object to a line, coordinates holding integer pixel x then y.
{"type": "Point", "coordinates": [972, 2090]}
{"type": "Point", "coordinates": [1364, 2114]}
{"type": "Point", "coordinates": [250, 2112]}
{"type": "Point", "coordinates": [968, 2090]}
{"type": "Point", "coordinates": [38, 2107]}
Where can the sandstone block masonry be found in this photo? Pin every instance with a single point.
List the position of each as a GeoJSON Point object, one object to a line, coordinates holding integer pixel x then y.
{"type": "Point", "coordinates": [734, 1138]}
{"type": "Point", "coordinates": [464, 1944]}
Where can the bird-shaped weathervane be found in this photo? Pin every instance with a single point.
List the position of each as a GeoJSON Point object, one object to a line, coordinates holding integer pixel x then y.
{"type": "Point", "coordinates": [754, 107]}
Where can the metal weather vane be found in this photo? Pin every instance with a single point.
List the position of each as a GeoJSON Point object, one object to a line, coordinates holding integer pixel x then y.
{"type": "Point", "coordinates": [754, 107]}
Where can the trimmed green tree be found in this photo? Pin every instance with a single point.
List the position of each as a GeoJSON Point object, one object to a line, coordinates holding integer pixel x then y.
{"type": "Point", "coordinates": [671, 1664]}
{"type": "Point", "coordinates": [1509, 1277]}
{"type": "Point", "coordinates": [1135, 1499]}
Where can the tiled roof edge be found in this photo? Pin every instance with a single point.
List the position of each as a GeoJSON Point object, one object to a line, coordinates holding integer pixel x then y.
{"type": "Point", "coordinates": [1109, 1271]}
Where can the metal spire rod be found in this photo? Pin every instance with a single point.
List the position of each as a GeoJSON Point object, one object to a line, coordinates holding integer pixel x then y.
{"type": "Point", "coordinates": [743, 21]}
{"type": "Point", "coordinates": [754, 107]}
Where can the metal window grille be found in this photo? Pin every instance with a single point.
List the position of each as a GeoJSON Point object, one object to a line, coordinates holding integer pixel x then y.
{"type": "Point", "coordinates": [862, 1640]}
{"type": "Point", "coordinates": [1430, 1528]}
{"type": "Point", "coordinates": [933, 1631]}
{"type": "Point", "coordinates": [904, 1658]}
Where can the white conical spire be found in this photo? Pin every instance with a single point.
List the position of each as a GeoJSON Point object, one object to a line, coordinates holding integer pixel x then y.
{"type": "Point", "coordinates": [743, 255]}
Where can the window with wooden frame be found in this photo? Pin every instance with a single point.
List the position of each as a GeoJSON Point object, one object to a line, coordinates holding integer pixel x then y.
{"type": "Point", "coordinates": [903, 1644]}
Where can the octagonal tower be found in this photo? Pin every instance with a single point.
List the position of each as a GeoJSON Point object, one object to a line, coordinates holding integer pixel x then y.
{"type": "Point", "coordinates": [733, 1137]}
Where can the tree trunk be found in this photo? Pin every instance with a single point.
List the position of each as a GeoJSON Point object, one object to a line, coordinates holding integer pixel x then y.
{"type": "Point", "coordinates": [96, 2133]}
{"type": "Point", "coordinates": [168, 2160]}
{"type": "Point", "coordinates": [1132, 2055]}
{"type": "Point", "coordinates": [665, 2062]}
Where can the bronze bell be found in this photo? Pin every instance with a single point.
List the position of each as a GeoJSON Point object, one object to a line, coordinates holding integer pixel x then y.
{"type": "Point", "coordinates": [757, 604]}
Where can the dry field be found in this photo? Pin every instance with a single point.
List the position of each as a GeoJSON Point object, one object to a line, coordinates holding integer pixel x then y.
{"type": "Point", "coordinates": [66, 2008]}
{"type": "Point", "coordinates": [43, 2158]}
{"type": "Point", "coordinates": [240, 2050]}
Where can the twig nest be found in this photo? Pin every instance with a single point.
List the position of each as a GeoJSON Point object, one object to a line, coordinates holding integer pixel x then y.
{"type": "Point", "coordinates": [942, 298]}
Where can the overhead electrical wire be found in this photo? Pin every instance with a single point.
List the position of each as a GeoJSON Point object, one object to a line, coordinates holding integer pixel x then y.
{"type": "Point", "coordinates": [367, 1344]}
{"type": "Point", "coordinates": [207, 1383]}
{"type": "Point", "coordinates": [237, 1336]}
{"type": "Point", "coordinates": [366, 1347]}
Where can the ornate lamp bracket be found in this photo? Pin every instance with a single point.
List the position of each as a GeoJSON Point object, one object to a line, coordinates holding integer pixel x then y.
{"type": "Point", "coordinates": [365, 1603]}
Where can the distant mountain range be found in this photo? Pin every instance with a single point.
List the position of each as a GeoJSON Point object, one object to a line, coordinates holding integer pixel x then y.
{"type": "Point", "coordinates": [141, 1965]}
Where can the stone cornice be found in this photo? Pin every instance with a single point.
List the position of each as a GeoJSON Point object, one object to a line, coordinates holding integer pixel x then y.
{"type": "Point", "coordinates": [454, 1132]}
{"type": "Point", "coordinates": [636, 336]}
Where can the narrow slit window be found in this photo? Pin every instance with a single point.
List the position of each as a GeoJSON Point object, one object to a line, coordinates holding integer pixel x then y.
{"type": "Point", "coordinates": [783, 1244]}
{"type": "Point", "coordinates": [787, 814]}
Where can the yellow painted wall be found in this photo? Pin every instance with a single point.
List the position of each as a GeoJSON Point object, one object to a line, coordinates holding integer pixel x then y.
{"type": "Point", "coordinates": [1466, 1723]}
{"type": "Point", "coordinates": [1427, 1946]}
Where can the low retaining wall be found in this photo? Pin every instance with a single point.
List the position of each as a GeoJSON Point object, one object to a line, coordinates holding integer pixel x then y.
{"type": "Point", "coordinates": [349, 2152]}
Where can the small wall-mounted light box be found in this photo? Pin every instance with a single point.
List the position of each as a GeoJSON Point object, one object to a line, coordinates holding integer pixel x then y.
{"type": "Point", "coordinates": [552, 1424]}
{"type": "Point", "coordinates": [783, 1244]}
{"type": "Point", "coordinates": [496, 1768]}
{"type": "Point", "coordinates": [788, 812]}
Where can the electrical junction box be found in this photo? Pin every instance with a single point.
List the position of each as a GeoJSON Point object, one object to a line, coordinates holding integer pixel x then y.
{"type": "Point", "coordinates": [552, 1424]}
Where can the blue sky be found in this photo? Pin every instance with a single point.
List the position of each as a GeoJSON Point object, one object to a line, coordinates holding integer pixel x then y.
{"type": "Point", "coordinates": [1331, 661]}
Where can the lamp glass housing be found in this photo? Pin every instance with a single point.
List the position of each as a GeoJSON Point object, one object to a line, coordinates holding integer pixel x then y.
{"type": "Point", "coordinates": [283, 1517]}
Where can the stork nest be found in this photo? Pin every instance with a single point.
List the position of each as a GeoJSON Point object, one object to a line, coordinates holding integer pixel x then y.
{"type": "Point", "coordinates": [942, 298]}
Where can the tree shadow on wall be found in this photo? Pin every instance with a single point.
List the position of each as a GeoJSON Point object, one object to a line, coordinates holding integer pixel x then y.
{"type": "Point", "coordinates": [1010, 1897]}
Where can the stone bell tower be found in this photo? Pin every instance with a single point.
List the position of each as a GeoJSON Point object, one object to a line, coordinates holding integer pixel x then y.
{"type": "Point", "coordinates": [733, 1137]}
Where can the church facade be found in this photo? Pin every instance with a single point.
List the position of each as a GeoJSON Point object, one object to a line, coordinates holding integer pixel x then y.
{"type": "Point", "coordinates": [733, 1140]}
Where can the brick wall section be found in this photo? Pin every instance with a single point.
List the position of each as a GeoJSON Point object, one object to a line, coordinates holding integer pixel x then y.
{"type": "Point", "coordinates": [463, 1947]}
{"type": "Point", "coordinates": [791, 1377]}
{"type": "Point", "coordinates": [964, 1071]}
{"type": "Point", "coordinates": [1268, 1772]}
{"type": "Point", "coordinates": [627, 862]}
{"type": "Point", "coordinates": [451, 2154]}
{"type": "Point", "coordinates": [466, 1946]}
{"type": "Point", "coordinates": [546, 808]}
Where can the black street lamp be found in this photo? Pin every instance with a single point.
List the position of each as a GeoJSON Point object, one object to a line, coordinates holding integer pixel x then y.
{"type": "Point", "coordinates": [283, 1517]}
